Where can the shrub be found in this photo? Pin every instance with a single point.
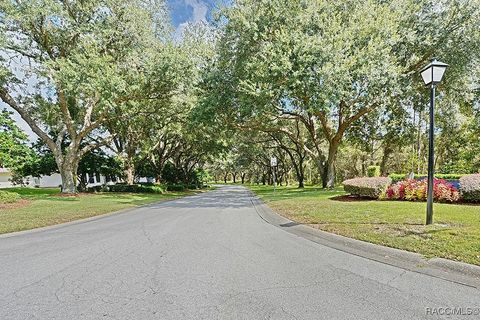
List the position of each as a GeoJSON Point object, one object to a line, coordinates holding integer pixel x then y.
{"type": "Point", "coordinates": [176, 187]}
{"type": "Point", "coordinates": [373, 171]}
{"type": "Point", "coordinates": [136, 188]}
{"type": "Point", "coordinates": [416, 190]}
{"type": "Point", "coordinates": [372, 187]}
{"type": "Point", "coordinates": [470, 187]}
{"type": "Point", "coordinates": [9, 197]}
{"type": "Point", "coordinates": [397, 177]}
{"type": "Point", "coordinates": [447, 176]}
{"type": "Point", "coordinates": [95, 189]}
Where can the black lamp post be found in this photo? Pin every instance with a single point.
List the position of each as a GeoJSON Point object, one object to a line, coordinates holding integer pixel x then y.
{"type": "Point", "coordinates": [432, 74]}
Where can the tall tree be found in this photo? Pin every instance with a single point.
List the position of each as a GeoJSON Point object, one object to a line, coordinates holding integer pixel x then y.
{"type": "Point", "coordinates": [328, 64]}
{"type": "Point", "coordinates": [80, 56]}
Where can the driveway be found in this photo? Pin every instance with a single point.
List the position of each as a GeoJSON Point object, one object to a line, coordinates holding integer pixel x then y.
{"type": "Point", "coordinates": [208, 256]}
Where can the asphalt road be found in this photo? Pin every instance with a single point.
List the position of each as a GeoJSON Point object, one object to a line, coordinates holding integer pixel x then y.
{"type": "Point", "coordinates": [208, 256]}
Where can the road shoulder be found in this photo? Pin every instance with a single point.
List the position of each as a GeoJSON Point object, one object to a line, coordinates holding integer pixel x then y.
{"type": "Point", "coordinates": [92, 218]}
{"type": "Point", "coordinates": [449, 270]}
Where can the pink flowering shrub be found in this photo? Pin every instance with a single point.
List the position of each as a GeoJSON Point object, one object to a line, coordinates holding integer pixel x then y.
{"type": "Point", "coordinates": [416, 190]}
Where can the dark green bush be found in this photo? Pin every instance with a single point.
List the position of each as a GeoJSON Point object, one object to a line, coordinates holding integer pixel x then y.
{"type": "Point", "coordinates": [136, 188]}
{"type": "Point", "coordinates": [176, 187]}
{"type": "Point", "coordinates": [9, 197]}
{"type": "Point", "coordinates": [373, 171]}
{"type": "Point", "coordinates": [177, 176]}
{"type": "Point", "coordinates": [95, 189]}
{"type": "Point", "coordinates": [148, 184]}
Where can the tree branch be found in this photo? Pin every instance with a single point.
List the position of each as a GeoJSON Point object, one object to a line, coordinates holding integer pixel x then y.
{"type": "Point", "coordinates": [8, 99]}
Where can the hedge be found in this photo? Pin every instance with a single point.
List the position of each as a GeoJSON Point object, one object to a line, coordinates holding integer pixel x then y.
{"type": "Point", "coordinates": [136, 188]}
{"type": "Point", "coordinates": [369, 187]}
{"type": "Point", "coordinates": [147, 188]}
{"type": "Point", "coordinates": [448, 176]}
{"type": "Point", "coordinates": [9, 197]}
{"type": "Point", "coordinates": [470, 187]}
{"type": "Point", "coordinates": [176, 187]}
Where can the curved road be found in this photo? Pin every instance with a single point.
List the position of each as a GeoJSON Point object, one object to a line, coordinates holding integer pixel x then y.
{"type": "Point", "coordinates": [208, 256]}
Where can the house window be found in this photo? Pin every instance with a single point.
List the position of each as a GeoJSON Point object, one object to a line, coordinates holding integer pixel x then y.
{"type": "Point", "coordinates": [97, 176]}
{"type": "Point", "coordinates": [91, 178]}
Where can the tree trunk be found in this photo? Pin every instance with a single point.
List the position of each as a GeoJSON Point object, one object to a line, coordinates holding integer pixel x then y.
{"type": "Point", "coordinates": [68, 166]}
{"type": "Point", "coordinates": [299, 173]}
{"type": "Point", "coordinates": [68, 182]}
{"type": "Point", "coordinates": [225, 178]}
{"type": "Point", "coordinates": [328, 180]}
{"type": "Point", "coordinates": [320, 162]}
{"type": "Point", "coordinates": [234, 176]}
{"type": "Point", "coordinates": [329, 175]}
{"type": "Point", "coordinates": [301, 183]}
{"type": "Point", "coordinates": [383, 165]}
{"type": "Point", "coordinates": [243, 177]}
{"type": "Point", "coordinates": [364, 166]}
{"type": "Point", "coordinates": [130, 173]}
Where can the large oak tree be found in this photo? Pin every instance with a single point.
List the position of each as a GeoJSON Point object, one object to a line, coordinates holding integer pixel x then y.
{"type": "Point", "coordinates": [66, 65]}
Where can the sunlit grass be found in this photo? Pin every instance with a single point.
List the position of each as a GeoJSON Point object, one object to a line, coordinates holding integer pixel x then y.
{"type": "Point", "coordinates": [455, 234]}
{"type": "Point", "coordinates": [44, 207]}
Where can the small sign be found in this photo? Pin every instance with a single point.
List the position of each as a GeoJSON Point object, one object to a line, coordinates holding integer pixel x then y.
{"type": "Point", "coordinates": [273, 161]}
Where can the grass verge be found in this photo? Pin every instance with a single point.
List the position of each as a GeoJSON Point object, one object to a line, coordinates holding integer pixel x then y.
{"type": "Point", "coordinates": [44, 207]}
{"type": "Point", "coordinates": [455, 234]}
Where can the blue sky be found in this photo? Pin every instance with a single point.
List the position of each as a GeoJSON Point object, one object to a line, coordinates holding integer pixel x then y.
{"type": "Point", "coordinates": [184, 11]}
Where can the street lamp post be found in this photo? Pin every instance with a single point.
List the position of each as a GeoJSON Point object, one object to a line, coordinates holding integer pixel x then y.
{"type": "Point", "coordinates": [432, 75]}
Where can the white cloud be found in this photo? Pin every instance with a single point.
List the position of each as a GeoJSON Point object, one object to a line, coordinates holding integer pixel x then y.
{"type": "Point", "coordinates": [200, 10]}
{"type": "Point", "coordinates": [199, 15]}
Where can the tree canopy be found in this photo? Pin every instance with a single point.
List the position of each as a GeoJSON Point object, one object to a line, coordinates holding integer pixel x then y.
{"type": "Point", "coordinates": [328, 87]}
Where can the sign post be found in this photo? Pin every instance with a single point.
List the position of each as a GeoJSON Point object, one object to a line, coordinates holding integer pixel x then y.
{"type": "Point", "coordinates": [273, 164]}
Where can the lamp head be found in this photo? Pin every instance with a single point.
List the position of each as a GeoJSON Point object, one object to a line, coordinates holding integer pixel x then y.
{"type": "Point", "coordinates": [432, 74]}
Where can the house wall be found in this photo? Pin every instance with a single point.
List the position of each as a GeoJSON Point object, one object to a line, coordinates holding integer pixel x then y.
{"type": "Point", "coordinates": [4, 180]}
{"type": "Point", "coordinates": [52, 181]}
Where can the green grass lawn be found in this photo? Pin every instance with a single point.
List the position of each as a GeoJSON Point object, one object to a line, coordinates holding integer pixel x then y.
{"type": "Point", "coordinates": [43, 207]}
{"type": "Point", "coordinates": [455, 234]}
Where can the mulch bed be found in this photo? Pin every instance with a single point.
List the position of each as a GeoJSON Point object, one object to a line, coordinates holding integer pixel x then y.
{"type": "Point", "coordinates": [15, 205]}
{"type": "Point", "coordinates": [68, 195]}
{"type": "Point", "coordinates": [350, 198]}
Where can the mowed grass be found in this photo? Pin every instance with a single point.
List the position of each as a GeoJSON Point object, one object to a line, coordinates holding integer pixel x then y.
{"type": "Point", "coordinates": [455, 234]}
{"type": "Point", "coordinates": [44, 207]}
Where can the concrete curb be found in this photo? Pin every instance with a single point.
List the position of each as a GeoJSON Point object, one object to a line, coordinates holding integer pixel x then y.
{"type": "Point", "coordinates": [89, 219]}
{"type": "Point", "coordinates": [448, 270]}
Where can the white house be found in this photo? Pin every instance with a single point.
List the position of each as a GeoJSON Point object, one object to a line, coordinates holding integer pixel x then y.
{"type": "Point", "coordinates": [5, 178]}
{"type": "Point", "coordinates": [51, 181]}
